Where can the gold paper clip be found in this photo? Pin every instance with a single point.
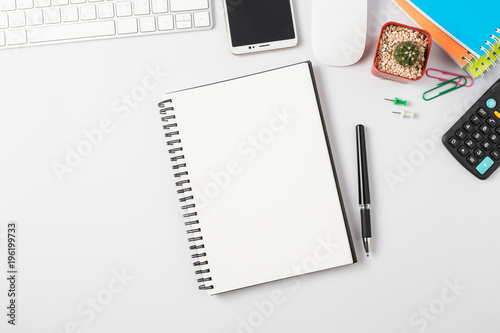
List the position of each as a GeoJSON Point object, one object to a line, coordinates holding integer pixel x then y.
{"type": "Point", "coordinates": [455, 82]}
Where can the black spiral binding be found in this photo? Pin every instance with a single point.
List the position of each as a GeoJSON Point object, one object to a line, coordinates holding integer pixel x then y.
{"type": "Point", "coordinates": [185, 192]}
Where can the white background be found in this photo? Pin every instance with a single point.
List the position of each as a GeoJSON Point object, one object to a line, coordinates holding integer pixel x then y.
{"type": "Point", "coordinates": [117, 210]}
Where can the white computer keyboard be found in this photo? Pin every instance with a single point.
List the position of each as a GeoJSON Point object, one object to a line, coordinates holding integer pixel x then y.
{"type": "Point", "coordinates": [35, 22]}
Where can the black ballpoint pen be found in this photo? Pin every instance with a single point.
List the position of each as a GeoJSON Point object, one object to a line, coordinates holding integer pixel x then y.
{"type": "Point", "coordinates": [363, 188]}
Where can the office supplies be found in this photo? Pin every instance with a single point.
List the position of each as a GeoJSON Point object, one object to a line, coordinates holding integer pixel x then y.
{"type": "Point", "coordinates": [445, 76]}
{"type": "Point", "coordinates": [397, 101]}
{"type": "Point", "coordinates": [452, 17]}
{"type": "Point", "coordinates": [456, 51]}
{"type": "Point", "coordinates": [252, 209]}
{"type": "Point", "coordinates": [363, 189]}
{"type": "Point", "coordinates": [454, 86]}
{"type": "Point", "coordinates": [476, 67]}
{"type": "Point", "coordinates": [339, 31]}
{"type": "Point", "coordinates": [404, 114]}
{"type": "Point", "coordinates": [260, 25]}
{"type": "Point", "coordinates": [38, 22]}
{"type": "Point", "coordinates": [474, 140]}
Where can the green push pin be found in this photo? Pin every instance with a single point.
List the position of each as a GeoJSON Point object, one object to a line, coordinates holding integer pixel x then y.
{"type": "Point", "coordinates": [397, 101]}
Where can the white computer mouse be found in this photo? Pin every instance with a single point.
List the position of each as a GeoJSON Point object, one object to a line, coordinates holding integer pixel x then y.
{"type": "Point", "coordinates": [339, 30]}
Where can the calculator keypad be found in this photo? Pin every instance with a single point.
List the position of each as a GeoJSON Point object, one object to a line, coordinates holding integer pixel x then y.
{"type": "Point", "coordinates": [474, 140]}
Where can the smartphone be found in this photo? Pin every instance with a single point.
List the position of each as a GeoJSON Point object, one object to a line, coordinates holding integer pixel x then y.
{"type": "Point", "coordinates": [259, 25]}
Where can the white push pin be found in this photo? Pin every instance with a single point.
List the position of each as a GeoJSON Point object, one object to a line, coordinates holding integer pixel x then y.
{"type": "Point", "coordinates": [404, 114]}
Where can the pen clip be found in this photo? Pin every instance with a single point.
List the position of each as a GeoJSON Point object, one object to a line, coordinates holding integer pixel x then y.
{"type": "Point", "coordinates": [455, 85]}
{"type": "Point", "coordinates": [446, 76]}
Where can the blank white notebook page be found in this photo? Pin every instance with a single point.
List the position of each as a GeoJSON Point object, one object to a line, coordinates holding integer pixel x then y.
{"type": "Point", "coordinates": [262, 178]}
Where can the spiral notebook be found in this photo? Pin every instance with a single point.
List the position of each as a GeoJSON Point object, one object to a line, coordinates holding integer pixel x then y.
{"type": "Point", "coordinates": [480, 66]}
{"type": "Point", "coordinates": [480, 36]}
{"type": "Point", "coordinates": [465, 59]}
{"type": "Point", "coordinates": [456, 51]}
{"type": "Point", "coordinates": [256, 179]}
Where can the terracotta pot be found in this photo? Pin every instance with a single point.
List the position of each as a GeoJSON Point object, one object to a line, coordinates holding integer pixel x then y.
{"type": "Point", "coordinates": [397, 78]}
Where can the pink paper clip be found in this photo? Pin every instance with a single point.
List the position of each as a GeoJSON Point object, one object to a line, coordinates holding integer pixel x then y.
{"type": "Point", "coordinates": [450, 75]}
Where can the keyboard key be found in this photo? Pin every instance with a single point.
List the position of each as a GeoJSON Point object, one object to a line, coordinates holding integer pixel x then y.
{"type": "Point", "coordinates": [482, 113]}
{"type": "Point", "coordinates": [147, 24]}
{"type": "Point", "coordinates": [181, 5]}
{"type": "Point", "coordinates": [495, 154]}
{"type": "Point", "coordinates": [201, 19]}
{"type": "Point", "coordinates": [477, 136]}
{"type": "Point", "coordinates": [127, 26]}
{"type": "Point", "coordinates": [485, 165]}
{"type": "Point", "coordinates": [106, 10]}
{"type": "Point", "coordinates": [472, 160]}
{"type": "Point", "coordinates": [123, 8]}
{"type": "Point", "coordinates": [159, 6]}
{"type": "Point", "coordinates": [42, 3]}
{"type": "Point", "coordinates": [184, 25]}
{"type": "Point", "coordinates": [35, 17]}
{"type": "Point", "coordinates": [461, 135]}
{"type": "Point", "coordinates": [491, 103]}
{"type": "Point", "coordinates": [7, 5]}
{"type": "Point", "coordinates": [60, 2]}
{"type": "Point", "coordinates": [16, 37]}
{"type": "Point", "coordinates": [494, 138]}
{"type": "Point", "coordinates": [141, 7]}
{"type": "Point", "coordinates": [24, 4]}
{"type": "Point", "coordinates": [70, 14]}
{"type": "Point", "coordinates": [479, 152]}
{"type": "Point", "coordinates": [71, 31]}
{"type": "Point", "coordinates": [475, 120]}
{"type": "Point", "coordinates": [469, 143]}
{"type": "Point", "coordinates": [77, 2]}
{"type": "Point", "coordinates": [468, 127]}
{"type": "Point", "coordinates": [463, 151]}
{"type": "Point", "coordinates": [453, 142]}
{"type": "Point", "coordinates": [165, 22]}
{"type": "Point", "coordinates": [484, 128]}
{"type": "Point", "coordinates": [2, 38]}
{"type": "Point", "coordinates": [17, 19]}
{"type": "Point", "coordinates": [52, 15]}
{"type": "Point", "coordinates": [4, 21]}
{"type": "Point", "coordinates": [183, 17]}
{"type": "Point", "coordinates": [486, 145]}
{"type": "Point", "coordinates": [88, 12]}
{"type": "Point", "coordinates": [497, 129]}
{"type": "Point", "coordinates": [492, 122]}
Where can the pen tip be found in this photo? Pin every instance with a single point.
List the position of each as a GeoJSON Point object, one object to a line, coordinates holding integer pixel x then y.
{"type": "Point", "coordinates": [367, 254]}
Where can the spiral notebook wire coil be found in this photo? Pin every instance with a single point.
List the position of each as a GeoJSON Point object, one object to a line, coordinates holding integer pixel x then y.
{"type": "Point", "coordinates": [490, 58]}
{"type": "Point", "coordinates": [185, 192]}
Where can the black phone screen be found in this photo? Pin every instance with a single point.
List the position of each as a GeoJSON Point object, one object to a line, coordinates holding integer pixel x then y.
{"type": "Point", "coordinates": [259, 21]}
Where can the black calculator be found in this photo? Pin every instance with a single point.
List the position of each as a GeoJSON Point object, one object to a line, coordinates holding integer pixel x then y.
{"type": "Point", "coordinates": [474, 140]}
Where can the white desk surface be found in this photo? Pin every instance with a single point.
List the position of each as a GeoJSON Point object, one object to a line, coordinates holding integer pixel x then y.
{"type": "Point", "coordinates": [434, 266]}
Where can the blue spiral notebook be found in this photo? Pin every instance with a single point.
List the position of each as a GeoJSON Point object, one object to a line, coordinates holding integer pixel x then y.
{"type": "Point", "coordinates": [479, 34]}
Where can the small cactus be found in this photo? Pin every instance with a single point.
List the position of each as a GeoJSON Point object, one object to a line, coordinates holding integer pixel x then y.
{"type": "Point", "coordinates": [406, 53]}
